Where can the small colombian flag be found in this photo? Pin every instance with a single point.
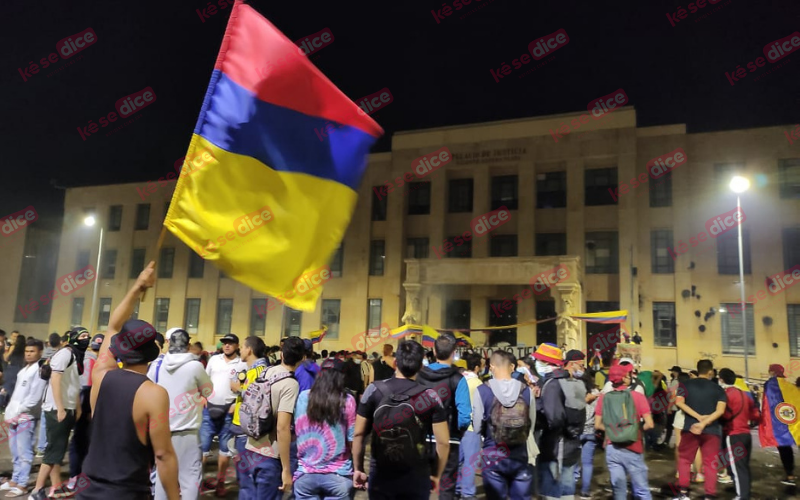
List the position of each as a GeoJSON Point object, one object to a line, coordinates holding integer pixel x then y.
{"type": "Point", "coordinates": [317, 335]}
{"type": "Point", "coordinates": [780, 425]}
{"type": "Point", "coordinates": [261, 194]}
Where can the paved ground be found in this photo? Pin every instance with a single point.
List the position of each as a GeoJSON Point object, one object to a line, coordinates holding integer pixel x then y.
{"type": "Point", "coordinates": [766, 469]}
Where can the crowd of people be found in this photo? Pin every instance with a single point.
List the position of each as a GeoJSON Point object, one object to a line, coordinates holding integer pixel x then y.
{"type": "Point", "coordinates": [139, 413]}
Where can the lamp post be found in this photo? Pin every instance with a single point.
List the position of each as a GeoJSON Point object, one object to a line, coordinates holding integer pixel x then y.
{"type": "Point", "coordinates": [739, 185]}
{"type": "Point", "coordinates": [90, 221]}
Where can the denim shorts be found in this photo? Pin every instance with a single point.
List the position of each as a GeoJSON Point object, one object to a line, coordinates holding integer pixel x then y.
{"type": "Point", "coordinates": [215, 427]}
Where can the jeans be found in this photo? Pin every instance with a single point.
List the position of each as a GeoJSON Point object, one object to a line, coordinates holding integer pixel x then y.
{"type": "Point", "coordinates": [323, 486]}
{"type": "Point", "coordinates": [243, 472]}
{"type": "Point", "coordinates": [588, 444]}
{"type": "Point", "coordinates": [20, 440]}
{"type": "Point", "coordinates": [468, 460]}
{"type": "Point", "coordinates": [266, 476]}
{"type": "Point", "coordinates": [507, 478]}
{"type": "Point", "coordinates": [552, 485]}
{"type": "Point", "coordinates": [210, 428]}
{"type": "Point", "coordinates": [414, 484]}
{"type": "Point", "coordinates": [41, 443]}
{"type": "Point", "coordinates": [621, 461]}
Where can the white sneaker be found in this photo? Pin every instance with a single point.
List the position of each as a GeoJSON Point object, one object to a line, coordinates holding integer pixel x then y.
{"type": "Point", "coordinates": [681, 497]}
{"type": "Point", "coordinates": [5, 486]}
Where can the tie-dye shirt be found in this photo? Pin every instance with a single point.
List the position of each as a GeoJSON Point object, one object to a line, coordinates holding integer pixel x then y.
{"type": "Point", "coordinates": [322, 449]}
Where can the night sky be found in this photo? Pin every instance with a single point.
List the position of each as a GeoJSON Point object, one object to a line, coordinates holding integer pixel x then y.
{"type": "Point", "coordinates": [438, 73]}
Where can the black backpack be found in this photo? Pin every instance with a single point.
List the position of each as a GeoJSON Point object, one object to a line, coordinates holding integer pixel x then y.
{"type": "Point", "coordinates": [398, 435]}
{"type": "Point", "coordinates": [45, 370]}
{"type": "Point", "coordinates": [382, 370]}
{"type": "Point", "coordinates": [450, 405]}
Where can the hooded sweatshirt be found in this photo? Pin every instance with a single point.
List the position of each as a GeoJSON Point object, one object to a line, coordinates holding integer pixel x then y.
{"type": "Point", "coordinates": [453, 390]}
{"type": "Point", "coordinates": [506, 392]}
{"type": "Point", "coordinates": [186, 382]}
{"type": "Point", "coordinates": [562, 418]}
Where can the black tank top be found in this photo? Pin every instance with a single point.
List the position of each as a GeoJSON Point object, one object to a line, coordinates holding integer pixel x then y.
{"type": "Point", "coordinates": [118, 464]}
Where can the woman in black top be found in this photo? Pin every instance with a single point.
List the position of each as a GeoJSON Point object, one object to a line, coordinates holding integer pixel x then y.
{"type": "Point", "coordinates": [14, 361]}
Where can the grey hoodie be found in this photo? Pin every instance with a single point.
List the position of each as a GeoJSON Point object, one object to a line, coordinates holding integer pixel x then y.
{"type": "Point", "coordinates": [506, 392]}
{"type": "Point", "coordinates": [186, 382]}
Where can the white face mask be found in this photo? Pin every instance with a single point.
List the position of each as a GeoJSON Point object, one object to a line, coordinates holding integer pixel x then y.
{"type": "Point", "coordinates": [357, 361]}
{"type": "Point", "coordinates": [543, 368]}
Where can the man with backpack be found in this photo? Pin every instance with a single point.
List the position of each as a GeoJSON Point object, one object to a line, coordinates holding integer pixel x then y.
{"type": "Point", "coordinates": [562, 416]}
{"type": "Point", "coordinates": [452, 388]}
{"type": "Point", "coordinates": [398, 412]}
{"type": "Point", "coordinates": [739, 412]}
{"type": "Point", "coordinates": [61, 406]}
{"type": "Point", "coordinates": [618, 413]}
{"type": "Point", "coordinates": [470, 447]}
{"type": "Point", "coordinates": [187, 383]}
{"type": "Point", "coordinates": [266, 417]}
{"type": "Point", "coordinates": [504, 413]}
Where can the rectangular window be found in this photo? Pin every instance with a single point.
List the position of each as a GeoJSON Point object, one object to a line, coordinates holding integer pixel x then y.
{"type": "Point", "coordinates": [457, 314]}
{"type": "Point", "coordinates": [732, 331]}
{"type": "Point", "coordinates": [598, 181]}
{"type": "Point", "coordinates": [161, 315]}
{"type": "Point", "coordinates": [330, 317]}
{"type": "Point", "coordinates": [83, 259]}
{"type": "Point", "coordinates": [109, 264]}
{"type": "Point", "coordinates": [142, 217]}
{"type": "Point", "coordinates": [104, 314]}
{"type": "Point", "coordinates": [224, 316]}
{"type": "Point", "coordinates": [337, 261]}
{"type": "Point", "coordinates": [460, 196]}
{"type": "Point", "coordinates": [664, 324]}
{"type": "Point", "coordinates": [137, 262]}
{"type": "Point", "coordinates": [793, 310]}
{"type": "Point", "coordinates": [462, 249]}
{"type": "Point", "coordinates": [166, 263]}
{"type": "Point", "coordinates": [379, 203]}
{"type": "Point", "coordinates": [791, 247]}
{"type": "Point", "coordinates": [504, 245]}
{"type": "Point", "coordinates": [258, 317]}
{"type": "Point", "coordinates": [661, 261]}
{"type": "Point", "coordinates": [377, 254]}
{"type": "Point", "coordinates": [292, 322]}
{"type": "Point", "coordinates": [419, 198]}
{"type": "Point", "coordinates": [417, 248]}
{"type": "Point", "coordinates": [789, 175]}
{"type": "Point", "coordinates": [602, 253]}
{"type": "Point", "coordinates": [196, 265]}
{"type": "Point", "coordinates": [504, 192]}
{"type": "Point", "coordinates": [374, 310]}
{"type": "Point", "coordinates": [115, 218]}
{"type": "Point", "coordinates": [77, 311]}
{"type": "Point", "coordinates": [724, 172]}
{"type": "Point", "coordinates": [728, 252]}
{"type": "Point", "coordinates": [192, 315]}
{"type": "Point", "coordinates": [166, 209]}
{"type": "Point", "coordinates": [551, 244]}
{"type": "Point", "coordinates": [551, 190]}
{"type": "Point", "coordinates": [661, 191]}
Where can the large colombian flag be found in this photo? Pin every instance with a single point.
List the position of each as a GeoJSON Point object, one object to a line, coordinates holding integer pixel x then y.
{"type": "Point", "coordinates": [779, 423]}
{"type": "Point", "coordinates": [255, 157]}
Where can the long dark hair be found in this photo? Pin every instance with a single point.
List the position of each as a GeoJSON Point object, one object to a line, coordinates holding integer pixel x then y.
{"type": "Point", "coordinates": [18, 350]}
{"type": "Point", "coordinates": [327, 398]}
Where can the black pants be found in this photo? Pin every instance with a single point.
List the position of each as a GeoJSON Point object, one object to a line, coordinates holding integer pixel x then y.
{"type": "Point", "coordinates": [787, 459]}
{"type": "Point", "coordinates": [449, 480]}
{"type": "Point", "coordinates": [79, 446]}
{"type": "Point", "coordinates": [740, 447]}
{"type": "Point", "coordinates": [670, 423]}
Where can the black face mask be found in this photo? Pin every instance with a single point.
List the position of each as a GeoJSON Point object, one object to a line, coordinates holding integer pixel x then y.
{"type": "Point", "coordinates": [83, 344]}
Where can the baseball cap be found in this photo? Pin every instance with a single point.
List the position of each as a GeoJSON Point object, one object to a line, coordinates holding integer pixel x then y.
{"type": "Point", "coordinates": [333, 364]}
{"type": "Point", "coordinates": [229, 338]}
{"type": "Point", "coordinates": [178, 340]}
{"type": "Point", "coordinates": [97, 341]}
{"type": "Point", "coordinates": [135, 343]}
{"type": "Point", "coordinates": [676, 368]}
{"type": "Point", "coordinates": [618, 372]}
{"type": "Point", "coordinates": [575, 355]}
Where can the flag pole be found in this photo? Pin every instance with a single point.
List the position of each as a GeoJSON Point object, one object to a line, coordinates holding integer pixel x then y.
{"type": "Point", "coordinates": [155, 257]}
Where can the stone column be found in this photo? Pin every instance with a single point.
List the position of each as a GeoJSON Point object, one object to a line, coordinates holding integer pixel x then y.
{"type": "Point", "coordinates": [568, 302]}
{"type": "Point", "coordinates": [413, 314]}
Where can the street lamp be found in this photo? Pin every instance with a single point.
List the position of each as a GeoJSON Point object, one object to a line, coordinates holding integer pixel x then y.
{"type": "Point", "coordinates": [739, 185]}
{"type": "Point", "coordinates": [90, 221]}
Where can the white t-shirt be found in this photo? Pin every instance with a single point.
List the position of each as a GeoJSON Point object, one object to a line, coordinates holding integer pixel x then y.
{"type": "Point", "coordinates": [70, 381]}
{"type": "Point", "coordinates": [221, 371]}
